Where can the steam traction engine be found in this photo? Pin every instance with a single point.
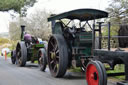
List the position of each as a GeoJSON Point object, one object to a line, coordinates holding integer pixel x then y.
{"type": "Point", "coordinates": [73, 45]}
{"type": "Point", "coordinates": [28, 49]}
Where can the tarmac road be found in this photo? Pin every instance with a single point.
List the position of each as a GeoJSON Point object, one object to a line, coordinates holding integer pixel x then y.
{"type": "Point", "coordinates": [31, 75]}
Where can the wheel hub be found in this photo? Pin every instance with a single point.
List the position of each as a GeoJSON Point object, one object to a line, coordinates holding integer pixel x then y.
{"type": "Point", "coordinates": [53, 55]}
{"type": "Point", "coordinates": [20, 61]}
{"type": "Point", "coordinates": [40, 60]}
{"type": "Point", "coordinates": [95, 75]}
{"type": "Point", "coordinates": [92, 75]}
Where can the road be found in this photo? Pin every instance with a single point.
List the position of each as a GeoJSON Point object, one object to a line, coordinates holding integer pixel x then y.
{"type": "Point", "coordinates": [31, 75]}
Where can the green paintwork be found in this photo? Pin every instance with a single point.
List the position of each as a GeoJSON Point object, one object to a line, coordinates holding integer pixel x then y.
{"type": "Point", "coordinates": [80, 42]}
{"type": "Point", "coordinates": [81, 14]}
{"type": "Point", "coordinates": [84, 40]}
{"type": "Point", "coordinates": [22, 32]}
{"type": "Point", "coordinates": [39, 45]}
{"type": "Point", "coordinates": [34, 51]}
{"type": "Point", "coordinates": [58, 28]}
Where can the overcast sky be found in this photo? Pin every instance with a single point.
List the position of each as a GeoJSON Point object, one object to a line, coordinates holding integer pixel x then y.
{"type": "Point", "coordinates": [56, 6]}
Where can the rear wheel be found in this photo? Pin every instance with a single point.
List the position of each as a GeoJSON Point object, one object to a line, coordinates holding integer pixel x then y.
{"type": "Point", "coordinates": [95, 74]}
{"type": "Point", "coordinates": [57, 56]}
{"type": "Point", "coordinates": [21, 54]}
{"type": "Point", "coordinates": [42, 59]}
{"type": "Point", "coordinates": [13, 56]}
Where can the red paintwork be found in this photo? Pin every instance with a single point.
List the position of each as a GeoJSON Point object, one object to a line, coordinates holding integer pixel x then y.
{"type": "Point", "coordinates": [91, 69]}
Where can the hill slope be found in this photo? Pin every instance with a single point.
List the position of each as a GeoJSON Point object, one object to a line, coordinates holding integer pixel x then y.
{"type": "Point", "coordinates": [4, 34]}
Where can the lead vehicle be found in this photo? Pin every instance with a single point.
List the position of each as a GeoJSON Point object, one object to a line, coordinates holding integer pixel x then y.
{"type": "Point", "coordinates": [30, 48]}
{"type": "Point", "coordinates": [72, 45]}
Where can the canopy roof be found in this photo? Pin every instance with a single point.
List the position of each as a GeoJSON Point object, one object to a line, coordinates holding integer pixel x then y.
{"type": "Point", "coordinates": [81, 14]}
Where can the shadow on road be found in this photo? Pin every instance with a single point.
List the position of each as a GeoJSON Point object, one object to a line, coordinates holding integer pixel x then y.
{"type": "Point", "coordinates": [31, 66]}
{"type": "Point", "coordinates": [68, 76]}
{"type": "Point", "coordinates": [74, 75]}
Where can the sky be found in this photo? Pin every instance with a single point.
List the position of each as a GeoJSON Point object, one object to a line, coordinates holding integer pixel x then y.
{"type": "Point", "coordinates": [4, 21]}
{"type": "Point", "coordinates": [55, 6]}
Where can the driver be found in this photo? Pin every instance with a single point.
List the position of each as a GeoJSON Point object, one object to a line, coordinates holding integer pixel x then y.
{"type": "Point", "coordinates": [27, 37]}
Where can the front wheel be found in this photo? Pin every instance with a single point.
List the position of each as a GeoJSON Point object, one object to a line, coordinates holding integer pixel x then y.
{"type": "Point", "coordinates": [96, 73]}
{"type": "Point", "coordinates": [21, 54]}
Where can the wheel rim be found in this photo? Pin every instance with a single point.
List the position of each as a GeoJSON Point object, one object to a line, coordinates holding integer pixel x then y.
{"type": "Point", "coordinates": [40, 59]}
{"type": "Point", "coordinates": [104, 73]}
{"type": "Point", "coordinates": [53, 56]}
{"type": "Point", "coordinates": [92, 75]}
{"type": "Point", "coordinates": [19, 55]}
{"type": "Point", "coordinates": [12, 58]}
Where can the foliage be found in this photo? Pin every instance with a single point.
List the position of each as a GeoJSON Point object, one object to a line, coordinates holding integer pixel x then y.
{"type": "Point", "coordinates": [3, 41]}
{"type": "Point", "coordinates": [118, 11]}
{"type": "Point", "coordinates": [6, 5]}
{"type": "Point", "coordinates": [77, 69]}
{"type": "Point", "coordinates": [13, 45]}
{"type": "Point", "coordinates": [113, 31]}
{"type": "Point", "coordinates": [14, 30]}
{"type": "Point", "coordinates": [36, 25]}
{"type": "Point", "coordinates": [9, 54]}
{"type": "Point", "coordinates": [19, 6]}
{"type": "Point", "coordinates": [27, 4]}
{"type": "Point", "coordinates": [118, 68]}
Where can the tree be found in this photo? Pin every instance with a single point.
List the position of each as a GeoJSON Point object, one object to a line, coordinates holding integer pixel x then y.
{"type": "Point", "coordinates": [14, 29]}
{"type": "Point", "coordinates": [118, 11]}
{"type": "Point", "coordinates": [19, 6]}
{"type": "Point", "coordinates": [36, 25]}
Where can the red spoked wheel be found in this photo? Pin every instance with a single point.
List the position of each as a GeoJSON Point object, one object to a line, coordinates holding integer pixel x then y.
{"type": "Point", "coordinates": [95, 74]}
